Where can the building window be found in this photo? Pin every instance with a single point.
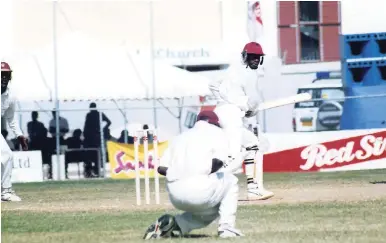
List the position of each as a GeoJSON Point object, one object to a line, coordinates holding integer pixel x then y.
{"type": "Point", "coordinates": [309, 11]}
{"type": "Point", "coordinates": [308, 31]}
{"type": "Point", "coordinates": [309, 42]}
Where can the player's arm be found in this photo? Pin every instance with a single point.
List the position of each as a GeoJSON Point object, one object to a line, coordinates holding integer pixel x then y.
{"type": "Point", "coordinates": [14, 125]}
{"type": "Point", "coordinates": [12, 120]}
{"type": "Point", "coordinates": [251, 89]}
{"type": "Point", "coordinates": [166, 156]}
{"type": "Point", "coordinates": [214, 87]}
{"type": "Point", "coordinates": [220, 155]}
{"type": "Point", "coordinates": [165, 160]}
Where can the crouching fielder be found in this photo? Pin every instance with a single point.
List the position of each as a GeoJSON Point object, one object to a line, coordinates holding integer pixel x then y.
{"type": "Point", "coordinates": [8, 112]}
{"type": "Point", "coordinates": [239, 98]}
{"type": "Point", "coordinates": [194, 185]}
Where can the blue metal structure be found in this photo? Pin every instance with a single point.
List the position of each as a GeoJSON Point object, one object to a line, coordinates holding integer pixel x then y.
{"type": "Point", "coordinates": [363, 58]}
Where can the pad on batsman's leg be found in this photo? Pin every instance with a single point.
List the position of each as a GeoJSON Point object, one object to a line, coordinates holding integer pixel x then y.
{"type": "Point", "coordinates": [254, 157]}
{"type": "Point", "coordinates": [255, 189]}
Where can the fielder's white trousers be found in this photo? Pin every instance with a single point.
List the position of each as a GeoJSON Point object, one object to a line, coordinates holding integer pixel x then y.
{"type": "Point", "coordinates": [6, 165]}
{"type": "Point", "coordinates": [203, 199]}
{"type": "Point", "coordinates": [239, 137]}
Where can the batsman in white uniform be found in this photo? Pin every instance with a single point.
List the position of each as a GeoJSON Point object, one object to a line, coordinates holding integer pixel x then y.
{"type": "Point", "coordinates": [195, 186]}
{"type": "Point", "coordinates": [238, 99]}
{"type": "Point", "coordinates": [8, 103]}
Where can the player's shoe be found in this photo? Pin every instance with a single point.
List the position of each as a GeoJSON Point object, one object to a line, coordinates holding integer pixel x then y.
{"type": "Point", "coordinates": [9, 195]}
{"type": "Point", "coordinates": [256, 193]}
{"type": "Point", "coordinates": [225, 231]}
{"type": "Point", "coordinates": [164, 227]}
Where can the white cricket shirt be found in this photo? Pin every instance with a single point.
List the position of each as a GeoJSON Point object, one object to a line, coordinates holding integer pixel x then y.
{"type": "Point", "coordinates": [191, 153]}
{"type": "Point", "coordinates": [8, 107]}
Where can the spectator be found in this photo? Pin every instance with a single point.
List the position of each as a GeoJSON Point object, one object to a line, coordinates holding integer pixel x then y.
{"type": "Point", "coordinates": [63, 127]}
{"type": "Point", "coordinates": [149, 134]}
{"type": "Point", "coordinates": [9, 142]}
{"type": "Point", "coordinates": [107, 134]}
{"type": "Point", "coordinates": [74, 142]}
{"type": "Point", "coordinates": [92, 139]}
{"type": "Point", "coordinates": [121, 139]}
{"type": "Point", "coordinates": [37, 132]}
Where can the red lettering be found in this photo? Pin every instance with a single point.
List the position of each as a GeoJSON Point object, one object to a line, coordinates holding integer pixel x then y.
{"type": "Point", "coordinates": [318, 155]}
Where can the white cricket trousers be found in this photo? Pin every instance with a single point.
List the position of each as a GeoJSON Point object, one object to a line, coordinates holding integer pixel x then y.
{"type": "Point", "coordinates": [231, 120]}
{"type": "Point", "coordinates": [203, 199]}
{"type": "Point", "coordinates": [6, 165]}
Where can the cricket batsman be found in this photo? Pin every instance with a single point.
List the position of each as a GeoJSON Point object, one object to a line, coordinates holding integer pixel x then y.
{"type": "Point", "coordinates": [238, 99]}
{"type": "Point", "coordinates": [194, 184]}
{"type": "Point", "coordinates": [8, 104]}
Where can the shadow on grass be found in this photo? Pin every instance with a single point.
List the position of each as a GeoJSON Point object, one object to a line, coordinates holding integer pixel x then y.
{"type": "Point", "coordinates": [253, 201]}
{"type": "Point", "coordinates": [378, 182]}
{"type": "Point", "coordinates": [196, 236]}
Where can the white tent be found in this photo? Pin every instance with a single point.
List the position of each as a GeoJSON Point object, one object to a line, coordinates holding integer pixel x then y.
{"type": "Point", "coordinates": [91, 71]}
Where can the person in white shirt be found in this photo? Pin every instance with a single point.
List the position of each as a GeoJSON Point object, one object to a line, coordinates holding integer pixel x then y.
{"type": "Point", "coordinates": [8, 104]}
{"type": "Point", "coordinates": [63, 125]}
{"type": "Point", "coordinates": [63, 129]}
{"type": "Point", "coordinates": [194, 184]}
{"type": "Point", "coordinates": [238, 99]}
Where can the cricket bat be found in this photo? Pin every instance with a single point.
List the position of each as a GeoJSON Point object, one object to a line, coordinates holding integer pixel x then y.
{"type": "Point", "coordinates": [284, 101]}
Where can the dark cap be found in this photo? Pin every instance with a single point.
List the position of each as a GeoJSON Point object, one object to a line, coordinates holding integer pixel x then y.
{"type": "Point", "coordinates": [208, 116]}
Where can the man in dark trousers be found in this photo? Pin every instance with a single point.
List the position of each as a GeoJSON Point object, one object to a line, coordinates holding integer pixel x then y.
{"type": "Point", "coordinates": [92, 139]}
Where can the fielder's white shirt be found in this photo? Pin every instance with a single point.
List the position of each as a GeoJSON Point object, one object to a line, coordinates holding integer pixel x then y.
{"type": "Point", "coordinates": [8, 107]}
{"type": "Point", "coordinates": [191, 152]}
{"type": "Point", "coordinates": [238, 87]}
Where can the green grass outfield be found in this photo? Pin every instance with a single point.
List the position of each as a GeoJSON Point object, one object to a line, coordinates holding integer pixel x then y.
{"type": "Point", "coordinates": [310, 207]}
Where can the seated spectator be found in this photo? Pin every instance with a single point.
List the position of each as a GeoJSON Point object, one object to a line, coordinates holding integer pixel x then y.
{"type": "Point", "coordinates": [74, 142]}
{"type": "Point", "coordinates": [149, 134]}
{"type": "Point", "coordinates": [125, 133]}
{"type": "Point", "coordinates": [110, 137]}
{"type": "Point", "coordinates": [63, 127]}
{"type": "Point", "coordinates": [11, 145]}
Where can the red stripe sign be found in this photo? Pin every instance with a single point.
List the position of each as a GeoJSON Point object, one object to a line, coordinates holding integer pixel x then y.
{"type": "Point", "coordinates": [326, 155]}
